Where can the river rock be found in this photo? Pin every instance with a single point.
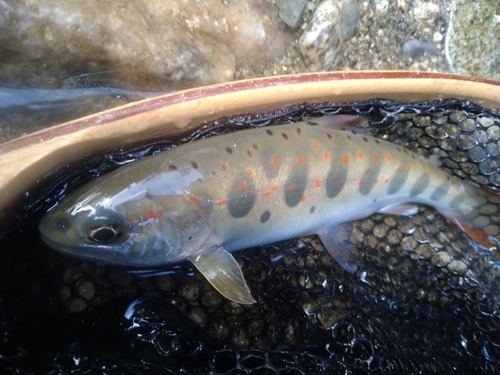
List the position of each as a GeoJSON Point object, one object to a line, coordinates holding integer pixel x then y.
{"type": "Point", "coordinates": [333, 22]}
{"type": "Point", "coordinates": [140, 44]}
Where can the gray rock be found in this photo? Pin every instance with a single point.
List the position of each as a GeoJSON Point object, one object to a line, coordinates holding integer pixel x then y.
{"type": "Point", "coordinates": [291, 12]}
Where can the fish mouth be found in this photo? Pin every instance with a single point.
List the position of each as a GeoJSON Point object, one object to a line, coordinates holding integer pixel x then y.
{"type": "Point", "coordinates": [103, 255]}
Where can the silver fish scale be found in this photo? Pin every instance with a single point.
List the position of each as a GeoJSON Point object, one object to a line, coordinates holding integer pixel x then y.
{"type": "Point", "coordinates": [422, 301]}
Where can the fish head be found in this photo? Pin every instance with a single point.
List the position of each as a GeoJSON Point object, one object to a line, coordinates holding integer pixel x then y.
{"type": "Point", "coordinates": [139, 232]}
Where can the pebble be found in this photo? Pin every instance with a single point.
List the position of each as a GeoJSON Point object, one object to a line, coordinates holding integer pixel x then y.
{"type": "Point", "coordinates": [415, 48]}
{"type": "Point", "coordinates": [427, 13]}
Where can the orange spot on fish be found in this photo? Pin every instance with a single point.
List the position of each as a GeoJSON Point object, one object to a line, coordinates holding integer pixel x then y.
{"type": "Point", "coordinates": [291, 189]}
{"type": "Point", "coordinates": [224, 167]}
{"type": "Point", "coordinates": [386, 181]}
{"type": "Point", "coordinates": [427, 174]}
{"type": "Point", "coordinates": [367, 171]}
{"type": "Point", "coordinates": [341, 183]}
{"type": "Point", "coordinates": [316, 144]}
{"type": "Point", "coordinates": [375, 159]}
{"type": "Point", "coordinates": [214, 173]}
{"type": "Point", "coordinates": [388, 157]}
{"type": "Point", "coordinates": [318, 183]}
{"type": "Point", "coordinates": [267, 193]}
{"type": "Point", "coordinates": [243, 186]}
{"type": "Point", "coordinates": [376, 180]}
{"type": "Point", "coordinates": [398, 169]}
{"type": "Point", "coordinates": [420, 162]}
{"type": "Point", "coordinates": [361, 182]}
{"type": "Point", "coordinates": [195, 199]}
{"type": "Point", "coordinates": [160, 211]}
{"type": "Point", "coordinates": [129, 219]}
{"type": "Point", "coordinates": [332, 179]}
{"type": "Point", "coordinates": [151, 214]}
{"type": "Point", "coordinates": [346, 159]}
{"type": "Point", "coordinates": [443, 178]}
{"type": "Point", "coordinates": [360, 155]}
{"type": "Point", "coordinates": [249, 172]}
{"type": "Point", "coordinates": [419, 184]}
{"type": "Point", "coordinates": [303, 198]}
{"type": "Point", "coordinates": [408, 168]}
{"type": "Point", "coordinates": [274, 160]}
{"type": "Point", "coordinates": [222, 201]}
{"type": "Point", "coordinates": [274, 188]}
{"type": "Point", "coordinates": [326, 155]}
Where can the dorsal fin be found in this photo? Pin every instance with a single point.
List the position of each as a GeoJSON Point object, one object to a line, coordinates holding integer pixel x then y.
{"type": "Point", "coordinates": [338, 122]}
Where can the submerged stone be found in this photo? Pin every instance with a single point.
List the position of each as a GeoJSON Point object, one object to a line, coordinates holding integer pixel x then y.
{"type": "Point", "coordinates": [153, 45]}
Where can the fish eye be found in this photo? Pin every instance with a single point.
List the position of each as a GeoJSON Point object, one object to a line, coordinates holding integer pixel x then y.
{"type": "Point", "coordinates": [104, 234]}
{"type": "Point", "coordinates": [63, 224]}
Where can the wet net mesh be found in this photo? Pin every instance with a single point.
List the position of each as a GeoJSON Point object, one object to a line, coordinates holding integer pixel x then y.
{"type": "Point", "coordinates": [423, 300]}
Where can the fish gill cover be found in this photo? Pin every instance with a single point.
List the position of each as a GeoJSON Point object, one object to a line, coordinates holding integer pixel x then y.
{"type": "Point", "coordinates": [423, 300]}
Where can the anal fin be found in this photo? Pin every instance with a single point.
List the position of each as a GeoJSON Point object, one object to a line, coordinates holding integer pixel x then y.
{"type": "Point", "coordinates": [222, 271]}
{"type": "Point", "coordinates": [335, 238]}
{"type": "Point", "coordinates": [400, 209]}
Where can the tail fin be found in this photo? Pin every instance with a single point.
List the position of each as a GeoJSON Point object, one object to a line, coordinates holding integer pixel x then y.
{"type": "Point", "coordinates": [482, 224]}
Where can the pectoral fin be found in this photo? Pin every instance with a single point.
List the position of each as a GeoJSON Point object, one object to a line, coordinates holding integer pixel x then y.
{"type": "Point", "coordinates": [223, 272]}
{"type": "Point", "coordinates": [335, 238]}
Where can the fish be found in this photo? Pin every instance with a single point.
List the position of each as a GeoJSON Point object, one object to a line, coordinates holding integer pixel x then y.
{"type": "Point", "coordinates": [203, 200]}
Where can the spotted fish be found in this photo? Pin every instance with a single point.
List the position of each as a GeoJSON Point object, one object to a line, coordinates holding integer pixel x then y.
{"type": "Point", "coordinates": [202, 200]}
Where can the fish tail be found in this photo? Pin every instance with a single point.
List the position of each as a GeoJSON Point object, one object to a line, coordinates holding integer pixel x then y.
{"type": "Point", "coordinates": [482, 223]}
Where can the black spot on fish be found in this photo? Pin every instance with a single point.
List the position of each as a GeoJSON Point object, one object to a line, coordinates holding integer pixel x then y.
{"type": "Point", "coordinates": [310, 122]}
{"type": "Point", "coordinates": [285, 136]}
{"type": "Point", "coordinates": [312, 209]}
{"type": "Point", "coordinates": [229, 150]}
{"type": "Point", "coordinates": [364, 139]}
{"type": "Point", "coordinates": [440, 191]}
{"type": "Point", "coordinates": [269, 132]}
{"type": "Point", "coordinates": [329, 136]}
{"type": "Point", "coordinates": [405, 151]}
{"type": "Point", "coordinates": [240, 203]}
{"type": "Point", "coordinates": [397, 182]}
{"type": "Point", "coordinates": [194, 165]}
{"type": "Point", "coordinates": [173, 167]}
{"type": "Point", "coordinates": [265, 216]}
{"type": "Point", "coordinates": [397, 148]}
{"type": "Point", "coordinates": [335, 180]}
{"type": "Point", "coordinates": [296, 183]}
{"type": "Point", "coordinates": [369, 183]}
{"type": "Point", "coordinates": [255, 146]}
{"type": "Point", "coordinates": [249, 153]}
{"type": "Point", "coordinates": [299, 131]}
{"type": "Point", "coordinates": [420, 186]}
{"type": "Point", "coordinates": [377, 141]}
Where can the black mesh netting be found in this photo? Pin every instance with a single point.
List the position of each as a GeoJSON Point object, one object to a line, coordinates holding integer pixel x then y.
{"type": "Point", "coordinates": [423, 300]}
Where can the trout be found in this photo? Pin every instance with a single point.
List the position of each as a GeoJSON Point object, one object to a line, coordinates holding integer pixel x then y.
{"type": "Point", "coordinates": [203, 200]}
